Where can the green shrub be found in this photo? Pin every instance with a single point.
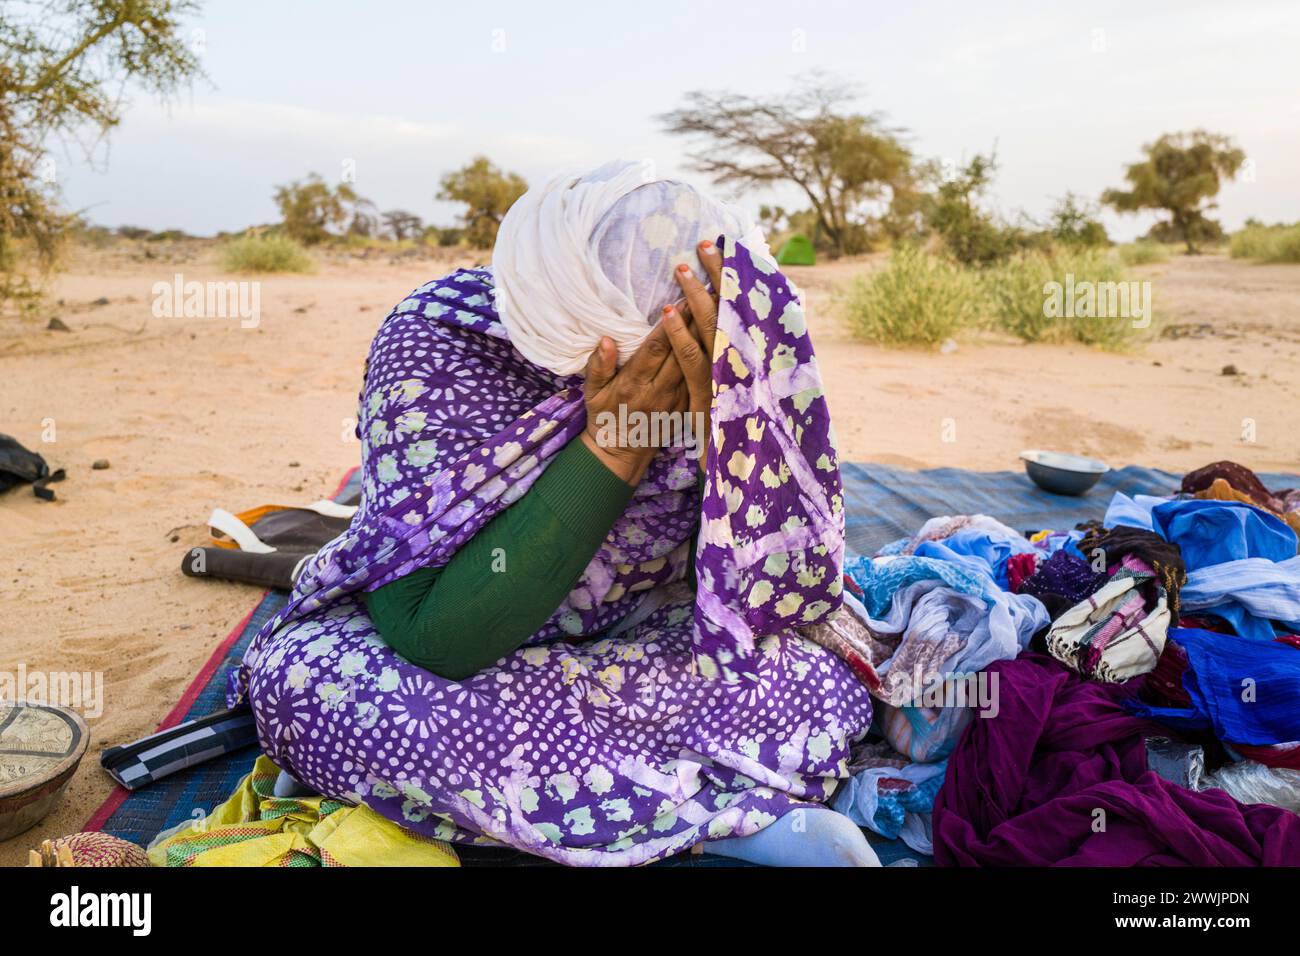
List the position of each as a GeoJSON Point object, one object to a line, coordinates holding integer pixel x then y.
{"type": "Point", "coordinates": [1266, 243]}
{"type": "Point", "coordinates": [273, 253]}
{"type": "Point", "coordinates": [1286, 248]}
{"type": "Point", "coordinates": [1073, 222]}
{"type": "Point", "coordinates": [1027, 297]}
{"type": "Point", "coordinates": [916, 299]}
{"type": "Point", "coordinates": [1143, 252]}
{"type": "Point", "coordinates": [1060, 295]}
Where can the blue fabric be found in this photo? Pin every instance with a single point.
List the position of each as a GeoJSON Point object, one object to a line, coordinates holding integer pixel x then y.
{"type": "Point", "coordinates": [1241, 560]}
{"type": "Point", "coordinates": [982, 551]}
{"type": "Point", "coordinates": [1212, 532]}
{"type": "Point", "coordinates": [1248, 593]}
{"type": "Point", "coordinates": [1131, 511]}
{"type": "Point", "coordinates": [880, 580]}
{"type": "Point", "coordinates": [1067, 541]}
{"type": "Point", "coordinates": [1244, 690]}
{"type": "Point", "coordinates": [1206, 531]}
{"type": "Point", "coordinates": [998, 628]}
{"type": "Point", "coordinates": [859, 798]}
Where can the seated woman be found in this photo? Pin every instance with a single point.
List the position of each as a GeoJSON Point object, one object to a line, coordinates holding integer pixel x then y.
{"type": "Point", "coordinates": [550, 624]}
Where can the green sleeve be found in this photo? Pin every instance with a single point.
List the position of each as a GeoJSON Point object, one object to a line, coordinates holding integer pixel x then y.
{"type": "Point", "coordinates": [695, 532]}
{"type": "Point", "coordinates": [506, 581]}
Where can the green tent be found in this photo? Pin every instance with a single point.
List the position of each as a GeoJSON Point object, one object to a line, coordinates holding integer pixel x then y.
{"type": "Point", "coordinates": [797, 251]}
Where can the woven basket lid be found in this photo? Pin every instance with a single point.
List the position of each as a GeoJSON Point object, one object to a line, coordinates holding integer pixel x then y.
{"type": "Point", "coordinates": [40, 747]}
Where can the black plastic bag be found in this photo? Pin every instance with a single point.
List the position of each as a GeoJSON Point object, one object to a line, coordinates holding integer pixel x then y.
{"type": "Point", "coordinates": [19, 466]}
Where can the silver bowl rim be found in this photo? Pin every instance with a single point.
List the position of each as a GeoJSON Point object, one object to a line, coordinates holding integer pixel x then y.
{"type": "Point", "coordinates": [1087, 466]}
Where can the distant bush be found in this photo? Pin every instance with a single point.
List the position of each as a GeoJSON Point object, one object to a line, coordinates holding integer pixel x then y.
{"type": "Point", "coordinates": [312, 211]}
{"type": "Point", "coordinates": [97, 237]}
{"type": "Point", "coordinates": [1286, 246]}
{"type": "Point", "coordinates": [920, 298]}
{"type": "Point", "coordinates": [488, 193]}
{"type": "Point", "coordinates": [1279, 243]}
{"type": "Point", "coordinates": [1073, 222]}
{"type": "Point", "coordinates": [1143, 252]}
{"type": "Point", "coordinates": [1016, 299]}
{"type": "Point", "coordinates": [1200, 232]}
{"type": "Point", "coordinates": [916, 299]}
{"type": "Point", "coordinates": [273, 253]}
{"type": "Point", "coordinates": [445, 236]}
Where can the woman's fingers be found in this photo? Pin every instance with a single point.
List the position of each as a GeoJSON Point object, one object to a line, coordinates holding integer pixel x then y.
{"type": "Point", "coordinates": [704, 309]}
{"type": "Point", "coordinates": [601, 365]}
{"type": "Point", "coordinates": [711, 259]}
{"type": "Point", "coordinates": [695, 364]}
{"type": "Point", "coordinates": [703, 304]}
{"type": "Point", "coordinates": [697, 371]}
{"type": "Point", "coordinates": [647, 361]}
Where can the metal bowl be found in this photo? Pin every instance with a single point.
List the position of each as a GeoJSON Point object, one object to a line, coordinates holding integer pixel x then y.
{"type": "Point", "coordinates": [1062, 474]}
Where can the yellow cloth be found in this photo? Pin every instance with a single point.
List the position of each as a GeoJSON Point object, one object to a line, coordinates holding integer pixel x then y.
{"type": "Point", "coordinates": [256, 828]}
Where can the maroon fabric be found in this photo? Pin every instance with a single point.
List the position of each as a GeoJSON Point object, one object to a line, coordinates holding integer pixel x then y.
{"type": "Point", "coordinates": [1164, 685]}
{"type": "Point", "coordinates": [1283, 755]}
{"type": "Point", "coordinates": [1059, 778]}
{"type": "Point", "coordinates": [1239, 476]}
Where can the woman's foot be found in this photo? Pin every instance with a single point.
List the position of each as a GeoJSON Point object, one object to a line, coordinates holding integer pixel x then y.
{"type": "Point", "coordinates": [287, 785]}
{"type": "Point", "coordinates": [806, 836]}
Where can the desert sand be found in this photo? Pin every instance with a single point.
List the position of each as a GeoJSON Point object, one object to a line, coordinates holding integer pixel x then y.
{"type": "Point", "coordinates": [193, 414]}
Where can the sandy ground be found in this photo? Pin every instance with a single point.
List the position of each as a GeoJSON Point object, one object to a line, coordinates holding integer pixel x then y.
{"type": "Point", "coordinates": [194, 414]}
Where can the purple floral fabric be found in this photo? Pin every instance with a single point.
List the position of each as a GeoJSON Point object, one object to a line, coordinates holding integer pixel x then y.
{"type": "Point", "coordinates": [640, 719]}
{"type": "Point", "coordinates": [771, 547]}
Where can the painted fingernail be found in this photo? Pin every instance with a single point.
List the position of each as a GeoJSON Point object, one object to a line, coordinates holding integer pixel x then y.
{"type": "Point", "coordinates": [683, 268]}
{"type": "Point", "coordinates": [706, 245]}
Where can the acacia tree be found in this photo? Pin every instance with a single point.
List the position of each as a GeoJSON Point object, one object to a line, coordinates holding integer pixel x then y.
{"type": "Point", "coordinates": [360, 214]}
{"type": "Point", "coordinates": [1181, 174]}
{"type": "Point", "coordinates": [402, 224]}
{"type": "Point", "coordinates": [841, 160]}
{"type": "Point", "coordinates": [312, 211]}
{"type": "Point", "coordinates": [487, 192]}
{"type": "Point", "coordinates": [63, 67]}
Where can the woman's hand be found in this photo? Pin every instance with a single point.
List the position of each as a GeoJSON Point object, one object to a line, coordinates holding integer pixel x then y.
{"type": "Point", "coordinates": [692, 340]}
{"type": "Point", "coordinates": [649, 383]}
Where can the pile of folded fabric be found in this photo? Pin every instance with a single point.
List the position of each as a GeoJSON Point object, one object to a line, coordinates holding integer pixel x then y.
{"type": "Point", "coordinates": [1125, 692]}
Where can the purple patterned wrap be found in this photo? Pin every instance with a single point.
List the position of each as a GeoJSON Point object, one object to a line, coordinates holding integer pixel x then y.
{"type": "Point", "coordinates": [640, 719]}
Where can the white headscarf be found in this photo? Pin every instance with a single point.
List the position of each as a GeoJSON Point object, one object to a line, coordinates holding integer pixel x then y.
{"type": "Point", "coordinates": [593, 254]}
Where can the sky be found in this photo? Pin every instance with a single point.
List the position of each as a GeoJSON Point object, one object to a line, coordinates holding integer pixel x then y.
{"type": "Point", "coordinates": [401, 92]}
